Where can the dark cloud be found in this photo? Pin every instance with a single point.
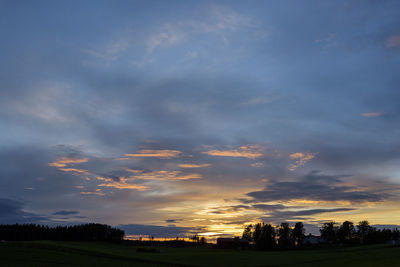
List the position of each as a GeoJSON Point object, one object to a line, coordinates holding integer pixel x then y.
{"type": "Point", "coordinates": [316, 186]}
{"type": "Point", "coordinates": [269, 207]}
{"type": "Point", "coordinates": [11, 211]}
{"type": "Point", "coordinates": [300, 215]}
{"type": "Point", "coordinates": [173, 220]}
{"type": "Point", "coordinates": [66, 212]}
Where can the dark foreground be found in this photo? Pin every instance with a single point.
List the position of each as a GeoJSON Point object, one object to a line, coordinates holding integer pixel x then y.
{"type": "Point", "coordinates": [53, 253]}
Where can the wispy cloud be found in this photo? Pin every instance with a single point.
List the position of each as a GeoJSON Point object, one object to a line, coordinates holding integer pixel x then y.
{"type": "Point", "coordinates": [123, 184]}
{"type": "Point", "coordinates": [64, 161]}
{"type": "Point", "coordinates": [372, 114]}
{"type": "Point", "coordinates": [190, 166]}
{"type": "Point", "coordinates": [149, 153]}
{"type": "Point", "coordinates": [165, 175]}
{"type": "Point", "coordinates": [219, 20]}
{"type": "Point", "coordinates": [248, 151]}
{"type": "Point", "coordinates": [301, 159]}
{"type": "Point", "coordinates": [257, 164]}
{"type": "Point", "coordinates": [256, 101]}
{"type": "Point", "coordinates": [75, 171]}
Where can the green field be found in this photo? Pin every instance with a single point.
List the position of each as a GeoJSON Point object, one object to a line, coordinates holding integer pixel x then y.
{"type": "Point", "coordinates": [48, 253]}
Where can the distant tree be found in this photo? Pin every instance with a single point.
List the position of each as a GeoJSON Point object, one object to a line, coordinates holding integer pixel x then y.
{"type": "Point", "coordinates": [298, 233]}
{"type": "Point", "coordinates": [267, 238]}
{"type": "Point", "coordinates": [195, 238]}
{"type": "Point", "coordinates": [364, 231]}
{"type": "Point", "coordinates": [329, 232]}
{"type": "Point", "coordinates": [346, 232]}
{"type": "Point", "coordinates": [257, 231]}
{"type": "Point", "coordinates": [284, 233]}
{"type": "Point", "coordinates": [248, 233]}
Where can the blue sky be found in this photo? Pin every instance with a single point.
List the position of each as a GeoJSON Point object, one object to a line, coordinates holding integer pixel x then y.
{"type": "Point", "coordinates": [201, 115]}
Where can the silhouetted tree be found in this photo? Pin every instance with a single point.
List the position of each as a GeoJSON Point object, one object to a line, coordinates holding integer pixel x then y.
{"type": "Point", "coordinates": [364, 231]}
{"type": "Point", "coordinates": [346, 232]}
{"type": "Point", "coordinates": [257, 231]}
{"type": "Point", "coordinates": [284, 234]}
{"type": "Point", "coordinates": [84, 232]}
{"type": "Point", "coordinates": [248, 233]}
{"type": "Point", "coordinates": [267, 238]}
{"type": "Point", "coordinates": [329, 232]}
{"type": "Point", "coordinates": [298, 233]}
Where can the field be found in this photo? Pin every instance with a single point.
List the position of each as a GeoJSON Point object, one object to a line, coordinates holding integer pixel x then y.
{"type": "Point", "coordinates": [48, 253]}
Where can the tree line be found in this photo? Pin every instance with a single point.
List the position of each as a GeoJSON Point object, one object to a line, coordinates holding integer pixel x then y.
{"type": "Point", "coordinates": [267, 236]}
{"type": "Point", "coordinates": [83, 232]}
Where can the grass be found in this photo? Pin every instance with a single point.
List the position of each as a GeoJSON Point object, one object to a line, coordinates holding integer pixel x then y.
{"type": "Point", "coordinates": [49, 253]}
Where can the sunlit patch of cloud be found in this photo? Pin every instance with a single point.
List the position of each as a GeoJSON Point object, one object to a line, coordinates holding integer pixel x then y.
{"type": "Point", "coordinates": [75, 171]}
{"type": "Point", "coordinates": [301, 159]}
{"type": "Point", "coordinates": [123, 183]}
{"type": "Point", "coordinates": [64, 161]}
{"type": "Point", "coordinates": [247, 151]}
{"type": "Point", "coordinates": [372, 114]}
{"type": "Point", "coordinates": [151, 153]}
{"type": "Point", "coordinates": [190, 166]}
{"type": "Point", "coordinates": [165, 175]}
{"type": "Point", "coordinates": [257, 164]}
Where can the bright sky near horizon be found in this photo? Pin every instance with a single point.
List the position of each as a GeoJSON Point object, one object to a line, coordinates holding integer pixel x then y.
{"type": "Point", "coordinates": [174, 117]}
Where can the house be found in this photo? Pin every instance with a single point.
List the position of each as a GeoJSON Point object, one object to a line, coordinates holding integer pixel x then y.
{"type": "Point", "coordinates": [236, 242]}
{"type": "Point", "coordinates": [313, 240]}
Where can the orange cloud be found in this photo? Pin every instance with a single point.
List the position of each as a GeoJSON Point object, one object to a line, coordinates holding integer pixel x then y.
{"type": "Point", "coordinates": [148, 153]}
{"type": "Point", "coordinates": [123, 184]}
{"type": "Point", "coordinates": [64, 161]}
{"type": "Point", "coordinates": [248, 151]}
{"type": "Point", "coordinates": [166, 175]}
{"type": "Point", "coordinates": [301, 159]}
{"type": "Point", "coordinates": [372, 114]}
{"type": "Point", "coordinates": [194, 165]}
{"type": "Point", "coordinates": [75, 170]}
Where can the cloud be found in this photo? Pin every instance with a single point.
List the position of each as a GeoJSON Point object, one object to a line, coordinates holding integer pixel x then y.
{"type": "Point", "coordinates": [149, 153]}
{"type": "Point", "coordinates": [64, 161]}
{"type": "Point", "coordinates": [248, 151]}
{"type": "Point", "coordinates": [277, 216]}
{"type": "Point", "coordinates": [123, 184]}
{"type": "Point", "coordinates": [269, 206]}
{"type": "Point", "coordinates": [66, 212]}
{"type": "Point", "coordinates": [220, 20]}
{"type": "Point", "coordinates": [165, 175]}
{"type": "Point", "coordinates": [191, 166]}
{"type": "Point", "coordinates": [173, 220]}
{"type": "Point", "coordinates": [257, 101]}
{"type": "Point", "coordinates": [11, 211]}
{"type": "Point", "coordinates": [393, 41]}
{"type": "Point", "coordinates": [316, 186]}
{"type": "Point", "coordinates": [257, 164]}
{"type": "Point", "coordinates": [301, 159]}
{"type": "Point", "coordinates": [372, 114]}
{"type": "Point", "coordinates": [168, 36]}
{"type": "Point", "coordinates": [75, 171]}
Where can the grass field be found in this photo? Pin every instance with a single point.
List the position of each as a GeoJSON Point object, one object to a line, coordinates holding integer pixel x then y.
{"type": "Point", "coordinates": [48, 253]}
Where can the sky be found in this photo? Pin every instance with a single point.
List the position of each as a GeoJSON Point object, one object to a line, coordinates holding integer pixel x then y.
{"type": "Point", "coordinates": [169, 118]}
